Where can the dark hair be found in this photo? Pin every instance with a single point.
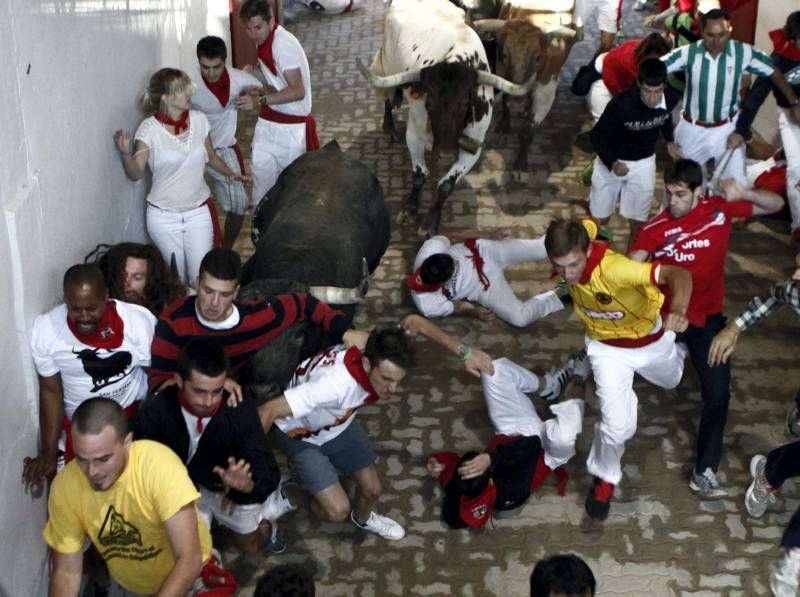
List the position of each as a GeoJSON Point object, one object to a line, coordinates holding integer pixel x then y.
{"type": "Point", "coordinates": [212, 46]}
{"type": "Point", "coordinates": [392, 344]}
{"type": "Point", "coordinates": [684, 171]}
{"type": "Point", "coordinates": [566, 574]}
{"type": "Point", "coordinates": [204, 355]}
{"type": "Point", "coordinates": [437, 268]}
{"type": "Point", "coordinates": [715, 14]}
{"type": "Point", "coordinates": [84, 273]}
{"type": "Point", "coordinates": [652, 72]}
{"type": "Point", "coordinates": [95, 414]}
{"type": "Point", "coordinates": [255, 8]}
{"type": "Point", "coordinates": [652, 46]}
{"type": "Point", "coordinates": [222, 264]}
{"type": "Point", "coordinates": [563, 236]}
{"type": "Point", "coordinates": [792, 28]}
{"type": "Point", "coordinates": [163, 286]}
{"type": "Point", "coordinates": [286, 580]}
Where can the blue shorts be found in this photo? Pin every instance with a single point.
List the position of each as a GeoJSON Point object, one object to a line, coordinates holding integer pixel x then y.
{"type": "Point", "coordinates": [319, 467]}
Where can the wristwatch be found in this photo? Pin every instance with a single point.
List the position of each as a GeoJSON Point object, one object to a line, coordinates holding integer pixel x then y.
{"type": "Point", "coordinates": [463, 351]}
{"type": "Point", "coordinates": [262, 100]}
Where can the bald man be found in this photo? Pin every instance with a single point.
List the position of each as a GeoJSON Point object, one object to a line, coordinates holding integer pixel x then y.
{"type": "Point", "coordinates": [87, 347]}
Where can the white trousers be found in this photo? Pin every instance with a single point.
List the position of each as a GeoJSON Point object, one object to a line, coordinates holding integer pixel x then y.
{"type": "Point", "coordinates": [500, 297]}
{"type": "Point", "coordinates": [701, 144]}
{"type": "Point", "coordinates": [635, 190]}
{"type": "Point", "coordinates": [188, 235]}
{"type": "Point", "coordinates": [790, 136]}
{"type": "Point", "coordinates": [512, 412]}
{"type": "Point", "coordinates": [275, 146]}
{"type": "Point", "coordinates": [660, 363]}
{"type": "Point", "coordinates": [607, 13]}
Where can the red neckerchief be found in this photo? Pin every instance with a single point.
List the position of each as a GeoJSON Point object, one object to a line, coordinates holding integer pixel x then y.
{"type": "Point", "coordinates": [477, 261]}
{"type": "Point", "coordinates": [476, 511]}
{"type": "Point", "coordinates": [414, 282]}
{"type": "Point", "coordinates": [265, 51]}
{"type": "Point", "coordinates": [222, 88]}
{"type": "Point", "coordinates": [598, 250]}
{"type": "Point", "coordinates": [188, 408]}
{"type": "Point", "coordinates": [355, 366]}
{"type": "Point", "coordinates": [108, 333]}
{"type": "Point", "coordinates": [785, 47]}
{"type": "Point", "coordinates": [180, 125]}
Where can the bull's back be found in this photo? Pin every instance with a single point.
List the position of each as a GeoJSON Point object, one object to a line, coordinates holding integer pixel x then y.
{"type": "Point", "coordinates": [420, 33]}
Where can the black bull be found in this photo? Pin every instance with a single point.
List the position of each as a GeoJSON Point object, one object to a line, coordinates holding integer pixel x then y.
{"type": "Point", "coordinates": [324, 216]}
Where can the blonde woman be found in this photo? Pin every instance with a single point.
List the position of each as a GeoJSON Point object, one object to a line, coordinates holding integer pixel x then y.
{"type": "Point", "coordinates": [174, 141]}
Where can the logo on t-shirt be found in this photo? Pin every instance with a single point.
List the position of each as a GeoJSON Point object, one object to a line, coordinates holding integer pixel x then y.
{"type": "Point", "coordinates": [104, 370]}
{"type": "Point", "coordinates": [121, 539]}
{"type": "Point", "coordinates": [117, 531]}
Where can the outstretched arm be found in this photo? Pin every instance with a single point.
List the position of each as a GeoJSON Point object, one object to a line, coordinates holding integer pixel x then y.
{"type": "Point", "coordinates": [764, 202]}
{"type": "Point", "coordinates": [36, 471]}
{"type": "Point", "coordinates": [134, 163]}
{"type": "Point", "coordinates": [475, 360]}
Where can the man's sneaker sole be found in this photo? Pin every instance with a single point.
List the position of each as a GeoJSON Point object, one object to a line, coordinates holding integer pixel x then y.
{"type": "Point", "coordinates": [707, 494]}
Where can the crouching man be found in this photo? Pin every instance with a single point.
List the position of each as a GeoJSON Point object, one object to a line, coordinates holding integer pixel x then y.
{"type": "Point", "coordinates": [134, 500]}
{"type": "Point", "coordinates": [223, 447]}
{"type": "Point", "coordinates": [524, 451]}
{"type": "Point", "coordinates": [314, 420]}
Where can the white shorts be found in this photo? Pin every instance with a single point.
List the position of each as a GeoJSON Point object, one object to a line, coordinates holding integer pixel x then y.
{"type": "Point", "coordinates": [231, 196]}
{"type": "Point", "coordinates": [275, 146]}
{"type": "Point", "coordinates": [608, 12]}
{"type": "Point", "coordinates": [635, 190]}
{"type": "Point", "coordinates": [701, 144]}
{"type": "Point", "coordinates": [242, 518]}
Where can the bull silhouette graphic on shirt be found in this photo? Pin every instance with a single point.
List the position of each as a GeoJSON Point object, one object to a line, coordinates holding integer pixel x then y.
{"type": "Point", "coordinates": [104, 370]}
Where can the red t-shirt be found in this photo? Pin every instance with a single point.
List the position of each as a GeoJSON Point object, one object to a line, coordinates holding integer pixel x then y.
{"type": "Point", "coordinates": [698, 242]}
{"type": "Point", "coordinates": [620, 68]}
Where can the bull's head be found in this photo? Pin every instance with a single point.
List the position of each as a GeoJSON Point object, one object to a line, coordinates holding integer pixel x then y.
{"type": "Point", "coordinates": [521, 46]}
{"type": "Point", "coordinates": [451, 97]}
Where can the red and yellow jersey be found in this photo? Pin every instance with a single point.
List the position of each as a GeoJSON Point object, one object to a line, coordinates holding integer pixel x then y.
{"type": "Point", "coordinates": [616, 298]}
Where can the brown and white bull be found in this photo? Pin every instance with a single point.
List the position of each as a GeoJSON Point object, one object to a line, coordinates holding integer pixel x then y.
{"type": "Point", "coordinates": [439, 62]}
{"type": "Point", "coordinates": [532, 40]}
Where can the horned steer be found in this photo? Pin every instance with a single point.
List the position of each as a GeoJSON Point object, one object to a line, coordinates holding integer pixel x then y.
{"type": "Point", "coordinates": [322, 229]}
{"type": "Point", "coordinates": [439, 61]}
{"type": "Point", "coordinates": [532, 40]}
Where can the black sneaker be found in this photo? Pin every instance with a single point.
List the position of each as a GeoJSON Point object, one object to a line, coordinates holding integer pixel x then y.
{"type": "Point", "coordinates": [598, 502]}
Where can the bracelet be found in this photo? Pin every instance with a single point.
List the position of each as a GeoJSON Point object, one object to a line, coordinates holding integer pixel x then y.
{"type": "Point", "coordinates": [262, 100]}
{"type": "Point", "coordinates": [464, 352]}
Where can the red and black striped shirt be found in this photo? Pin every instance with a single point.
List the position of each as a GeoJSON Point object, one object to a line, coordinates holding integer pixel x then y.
{"type": "Point", "coordinates": [259, 323]}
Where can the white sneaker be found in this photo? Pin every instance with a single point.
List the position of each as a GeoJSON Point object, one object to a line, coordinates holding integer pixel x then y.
{"type": "Point", "coordinates": [380, 525]}
{"type": "Point", "coordinates": [784, 577]}
{"type": "Point", "coordinates": [759, 494]}
{"type": "Point", "coordinates": [276, 505]}
{"type": "Point", "coordinates": [707, 486]}
{"type": "Point", "coordinates": [578, 365]}
{"type": "Point", "coordinates": [555, 381]}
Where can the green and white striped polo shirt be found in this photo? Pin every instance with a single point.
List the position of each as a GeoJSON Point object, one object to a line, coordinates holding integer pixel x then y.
{"type": "Point", "coordinates": [712, 84]}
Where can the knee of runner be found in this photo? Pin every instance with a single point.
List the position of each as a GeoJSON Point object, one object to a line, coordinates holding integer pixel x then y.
{"type": "Point", "coordinates": [338, 511]}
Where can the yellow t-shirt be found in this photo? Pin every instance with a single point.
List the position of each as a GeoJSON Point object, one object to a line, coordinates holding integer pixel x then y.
{"type": "Point", "coordinates": [126, 522]}
{"type": "Point", "coordinates": [616, 298]}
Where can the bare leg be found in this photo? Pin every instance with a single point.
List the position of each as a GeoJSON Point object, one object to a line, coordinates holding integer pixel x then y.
{"type": "Point", "coordinates": [332, 503]}
{"type": "Point", "coordinates": [369, 490]}
{"type": "Point", "coordinates": [250, 543]}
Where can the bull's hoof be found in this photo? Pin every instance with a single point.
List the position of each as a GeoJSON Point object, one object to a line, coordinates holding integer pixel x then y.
{"type": "Point", "coordinates": [521, 176]}
{"type": "Point", "coordinates": [405, 216]}
{"type": "Point", "coordinates": [429, 225]}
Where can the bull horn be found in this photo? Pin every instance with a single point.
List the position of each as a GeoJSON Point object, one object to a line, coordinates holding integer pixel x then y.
{"type": "Point", "coordinates": [488, 25]}
{"type": "Point", "coordinates": [504, 85]}
{"type": "Point", "coordinates": [561, 33]}
{"type": "Point", "coordinates": [334, 295]}
{"type": "Point", "coordinates": [409, 76]}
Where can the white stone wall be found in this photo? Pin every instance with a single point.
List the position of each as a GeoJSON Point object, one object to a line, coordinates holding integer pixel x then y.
{"type": "Point", "coordinates": [771, 15]}
{"type": "Point", "coordinates": [73, 72]}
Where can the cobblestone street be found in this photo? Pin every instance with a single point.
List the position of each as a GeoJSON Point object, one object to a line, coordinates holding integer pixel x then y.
{"type": "Point", "coordinates": [659, 539]}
